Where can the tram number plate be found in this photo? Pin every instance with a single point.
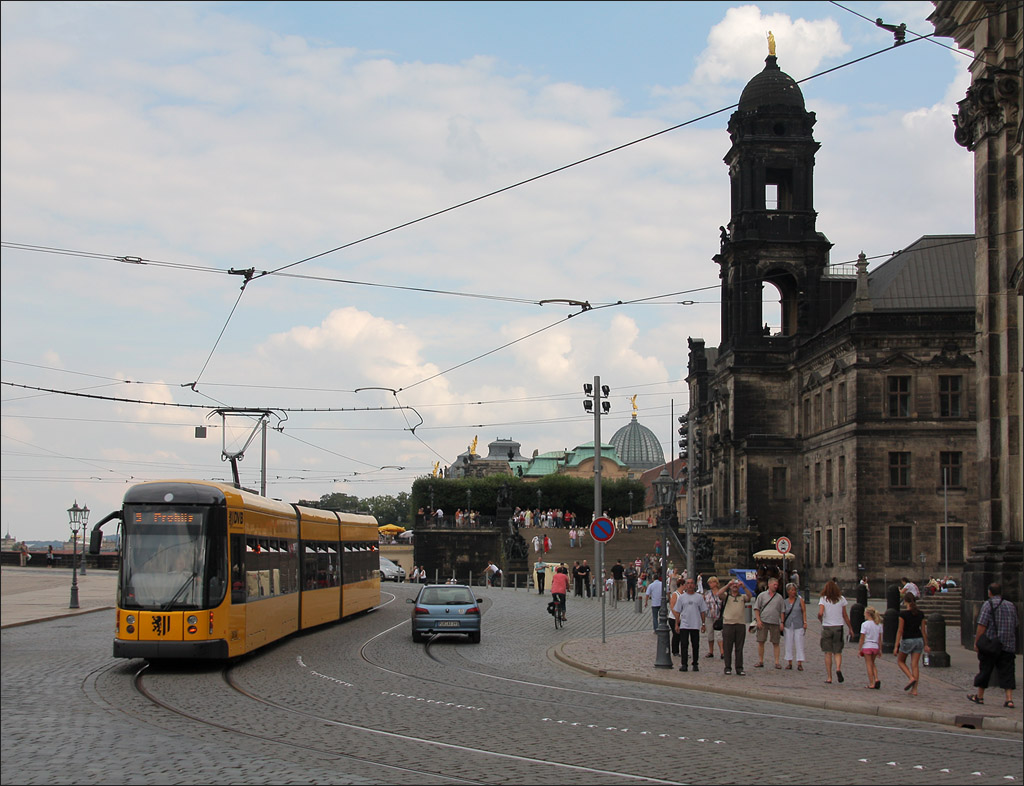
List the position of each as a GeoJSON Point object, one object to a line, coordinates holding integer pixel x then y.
{"type": "Point", "coordinates": [447, 624]}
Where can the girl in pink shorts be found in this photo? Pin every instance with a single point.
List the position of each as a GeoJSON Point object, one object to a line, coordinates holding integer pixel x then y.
{"type": "Point", "coordinates": [871, 645]}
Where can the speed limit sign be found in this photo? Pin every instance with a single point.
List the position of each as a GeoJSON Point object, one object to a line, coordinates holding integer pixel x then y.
{"type": "Point", "coordinates": [783, 545]}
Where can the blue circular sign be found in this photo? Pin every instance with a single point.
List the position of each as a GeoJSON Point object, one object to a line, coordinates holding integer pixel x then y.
{"type": "Point", "coordinates": [602, 529]}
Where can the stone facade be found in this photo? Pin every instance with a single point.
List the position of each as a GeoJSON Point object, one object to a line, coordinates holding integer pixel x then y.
{"type": "Point", "coordinates": [837, 426]}
{"type": "Point", "coordinates": [989, 125]}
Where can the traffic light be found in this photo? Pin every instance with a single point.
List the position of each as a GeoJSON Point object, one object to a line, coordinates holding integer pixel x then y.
{"type": "Point", "coordinates": [684, 437]}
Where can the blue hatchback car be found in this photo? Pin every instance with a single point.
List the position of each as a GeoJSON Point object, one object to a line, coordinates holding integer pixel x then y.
{"type": "Point", "coordinates": [446, 608]}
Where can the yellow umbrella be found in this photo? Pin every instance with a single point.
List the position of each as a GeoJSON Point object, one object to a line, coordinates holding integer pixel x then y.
{"type": "Point", "coordinates": [391, 529]}
{"type": "Point", "coordinates": [772, 554]}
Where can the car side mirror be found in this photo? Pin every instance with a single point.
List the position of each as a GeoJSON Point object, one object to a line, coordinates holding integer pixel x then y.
{"type": "Point", "coordinates": [479, 600]}
{"type": "Point", "coordinates": [410, 600]}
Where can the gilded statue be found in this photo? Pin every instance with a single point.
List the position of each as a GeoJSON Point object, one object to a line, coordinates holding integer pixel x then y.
{"type": "Point", "coordinates": [634, 404]}
{"type": "Point", "coordinates": [771, 44]}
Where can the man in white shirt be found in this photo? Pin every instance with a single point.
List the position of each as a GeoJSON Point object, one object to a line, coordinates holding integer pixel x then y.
{"type": "Point", "coordinates": [653, 597]}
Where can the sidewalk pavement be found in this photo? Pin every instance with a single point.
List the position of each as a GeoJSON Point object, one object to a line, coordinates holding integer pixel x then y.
{"type": "Point", "coordinates": [942, 691]}
{"type": "Point", "coordinates": [30, 595]}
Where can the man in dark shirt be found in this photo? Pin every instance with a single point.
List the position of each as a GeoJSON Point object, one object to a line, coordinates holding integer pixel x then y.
{"type": "Point", "coordinates": [619, 574]}
{"type": "Point", "coordinates": [585, 575]}
{"type": "Point", "coordinates": [1000, 615]}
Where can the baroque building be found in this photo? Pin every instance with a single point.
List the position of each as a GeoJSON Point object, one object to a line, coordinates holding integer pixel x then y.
{"type": "Point", "coordinates": [848, 425]}
{"type": "Point", "coordinates": [988, 125]}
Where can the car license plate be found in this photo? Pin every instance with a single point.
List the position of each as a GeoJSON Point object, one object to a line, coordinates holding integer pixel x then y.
{"type": "Point", "coordinates": [448, 624]}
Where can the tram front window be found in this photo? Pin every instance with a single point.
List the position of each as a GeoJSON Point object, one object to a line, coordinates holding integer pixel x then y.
{"type": "Point", "coordinates": [164, 558]}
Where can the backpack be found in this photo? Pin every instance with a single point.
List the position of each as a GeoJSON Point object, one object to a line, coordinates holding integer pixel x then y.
{"type": "Point", "coordinates": [989, 642]}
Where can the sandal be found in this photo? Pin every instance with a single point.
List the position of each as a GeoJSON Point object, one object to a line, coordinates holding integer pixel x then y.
{"type": "Point", "coordinates": [975, 698]}
{"type": "Point", "coordinates": [778, 666]}
{"type": "Point", "coordinates": [758, 665]}
{"type": "Point", "coordinates": [789, 667]}
{"type": "Point", "coordinates": [1009, 703]}
{"type": "Point", "coordinates": [799, 667]}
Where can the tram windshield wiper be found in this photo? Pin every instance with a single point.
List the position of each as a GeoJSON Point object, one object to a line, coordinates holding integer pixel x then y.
{"type": "Point", "coordinates": [180, 592]}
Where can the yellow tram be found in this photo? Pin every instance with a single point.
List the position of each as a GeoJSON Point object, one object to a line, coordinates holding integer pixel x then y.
{"type": "Point", "coordinates": [210, 571]}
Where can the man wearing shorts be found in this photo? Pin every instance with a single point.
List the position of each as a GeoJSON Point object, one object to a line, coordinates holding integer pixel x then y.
{"type": "Point", "coordinates": [768, 612]}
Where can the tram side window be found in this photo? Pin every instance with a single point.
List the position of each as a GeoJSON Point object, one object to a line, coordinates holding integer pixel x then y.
{"type": "Point", "coordinates": [237, 569]}
{"type": "Point", "coordinates": [310, 572]}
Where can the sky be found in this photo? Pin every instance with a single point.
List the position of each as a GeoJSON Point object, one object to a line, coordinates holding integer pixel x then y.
{"type": "Point", "coordinates": [407, 182]}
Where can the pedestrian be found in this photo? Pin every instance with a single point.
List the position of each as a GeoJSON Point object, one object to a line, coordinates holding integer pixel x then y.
{"type": "Point", "coordinates": [652, 597]}
{"type": "Point", "coordinates": [49, 556]}
{"type": "Point", "coordinates": [547, 544]}
{"type": "Point", "coordinates": [833, 616]}
{"type": "Point", "coordinates": [734, 623]}
{"type": "Point", "coordinates": [415, 575]}
{"type": "Point", "coordinates": [794, 626]}
{"type": "Point", "coordinates": [768, 614]}
{"type": "Point", "coordinates": [906, 585]}
{"type": "Point", "coordinates": [585, 575]}
{"type": "Point", "coordinates": [691, 620]}
{"type": "Point", "coordinates": [423, 574]}
{"type": "Point", "coordinates": [631, 576]}
{"type": "Point", "coordinates": [912, 640]}
{"type": "Point", "coordinates": [577, 580]}
{"type": "Point", "coordinates": [714, 618]}
{"type": "Point", "coordinates": [998, 620]}
{"type": "Point", "coordinates": [673, 615]}
{"type": "Point", "coordinates": [23, 555]}
{"type": "Point", "coordinates": [870, 645]}
{"type": "Point", "coordinates": [619, 576]}
{"type": "Point", "coordinates": [536, 543]}
{"type": "Point", "coordinates": [539, 567]}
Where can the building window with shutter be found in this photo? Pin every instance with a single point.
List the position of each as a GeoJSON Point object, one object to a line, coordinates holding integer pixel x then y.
{"type": "Point", "coordinates": [841, 474]}
{"type": "Point", "coordinates": [842, 545]}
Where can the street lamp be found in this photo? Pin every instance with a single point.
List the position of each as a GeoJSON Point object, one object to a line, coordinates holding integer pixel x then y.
{"type": "Point", "coordinates": [630, 495]}
{"type": "Point", "coordinates": [85, 520]}
{"type": "Point", "coordinates": [469, 506]}
{"type": "Point", "coordinates": [78, 518]}
{"type": "Point", "coordinates": [664, 492]}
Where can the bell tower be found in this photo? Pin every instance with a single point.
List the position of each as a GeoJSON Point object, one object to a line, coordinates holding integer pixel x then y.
{"type": "Point", "coordinates": [771, 249]}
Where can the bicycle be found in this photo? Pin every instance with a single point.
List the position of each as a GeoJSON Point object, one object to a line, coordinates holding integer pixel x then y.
{"type": "Point", "coordinates": [557, 609]}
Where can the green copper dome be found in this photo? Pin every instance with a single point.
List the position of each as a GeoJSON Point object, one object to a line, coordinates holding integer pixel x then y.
{"type": "Point", "coordinates": [637, 446]}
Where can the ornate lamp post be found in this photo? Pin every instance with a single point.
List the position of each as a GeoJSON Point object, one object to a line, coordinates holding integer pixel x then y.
{"type": "Point", "coordinates": [78, 518]}
{"type": "Point", "coordinates": [630, 495]}
{"type": "Point", "coordinates": [664, 494]}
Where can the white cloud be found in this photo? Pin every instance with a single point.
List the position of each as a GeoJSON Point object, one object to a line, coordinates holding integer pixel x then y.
{"type": "Point", "coordinates": [737, 46]}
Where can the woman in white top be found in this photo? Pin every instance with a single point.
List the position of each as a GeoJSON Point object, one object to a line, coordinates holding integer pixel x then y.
{"type": "Point", "coordinates": [834, 620]}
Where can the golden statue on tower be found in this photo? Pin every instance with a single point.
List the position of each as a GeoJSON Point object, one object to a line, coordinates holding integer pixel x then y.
{"type": "Point", "coordinates": [771, 44]}
{"type": "Point", "coordinates": [633, 400]}
{"type": "Point", "coordinates": [472, 448]}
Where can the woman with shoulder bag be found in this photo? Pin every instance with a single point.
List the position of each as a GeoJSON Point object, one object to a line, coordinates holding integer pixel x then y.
{"type": "Point", "coordinates": [794, 625]}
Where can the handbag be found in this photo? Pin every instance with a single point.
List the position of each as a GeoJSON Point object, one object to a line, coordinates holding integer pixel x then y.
{"type": "Point", "coordinates": [989, 642]}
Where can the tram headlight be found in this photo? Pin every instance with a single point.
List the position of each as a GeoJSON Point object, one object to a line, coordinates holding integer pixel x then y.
{"type": "Point", "coordinates": [130, 619]}
{"type": "Point", "coordinates": [192, 621]}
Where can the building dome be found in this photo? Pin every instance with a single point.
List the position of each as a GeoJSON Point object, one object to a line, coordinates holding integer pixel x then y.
{"type": "Point", "coordinates": [637, 446]}
{"type": "Point", "coordinates": [771, 88]}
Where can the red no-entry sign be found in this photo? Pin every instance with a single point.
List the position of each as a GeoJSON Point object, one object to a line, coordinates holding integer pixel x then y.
{"type": "Point", "coordinates": [602, 529]}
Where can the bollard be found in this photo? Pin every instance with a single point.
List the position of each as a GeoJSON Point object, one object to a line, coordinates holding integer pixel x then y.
{"type": "Point", "coordinates": [856, 619]}
{"type": "Point", "coordinates": [936, 625]}
{"type": "Point", "coordinates": [892, 597]}
{"type": "Point", "coordinates": [638, 605]}
{"type": "Point", "coordinates": [890, 624]}
{"type": "Point", "coordinates": [862, 595]}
